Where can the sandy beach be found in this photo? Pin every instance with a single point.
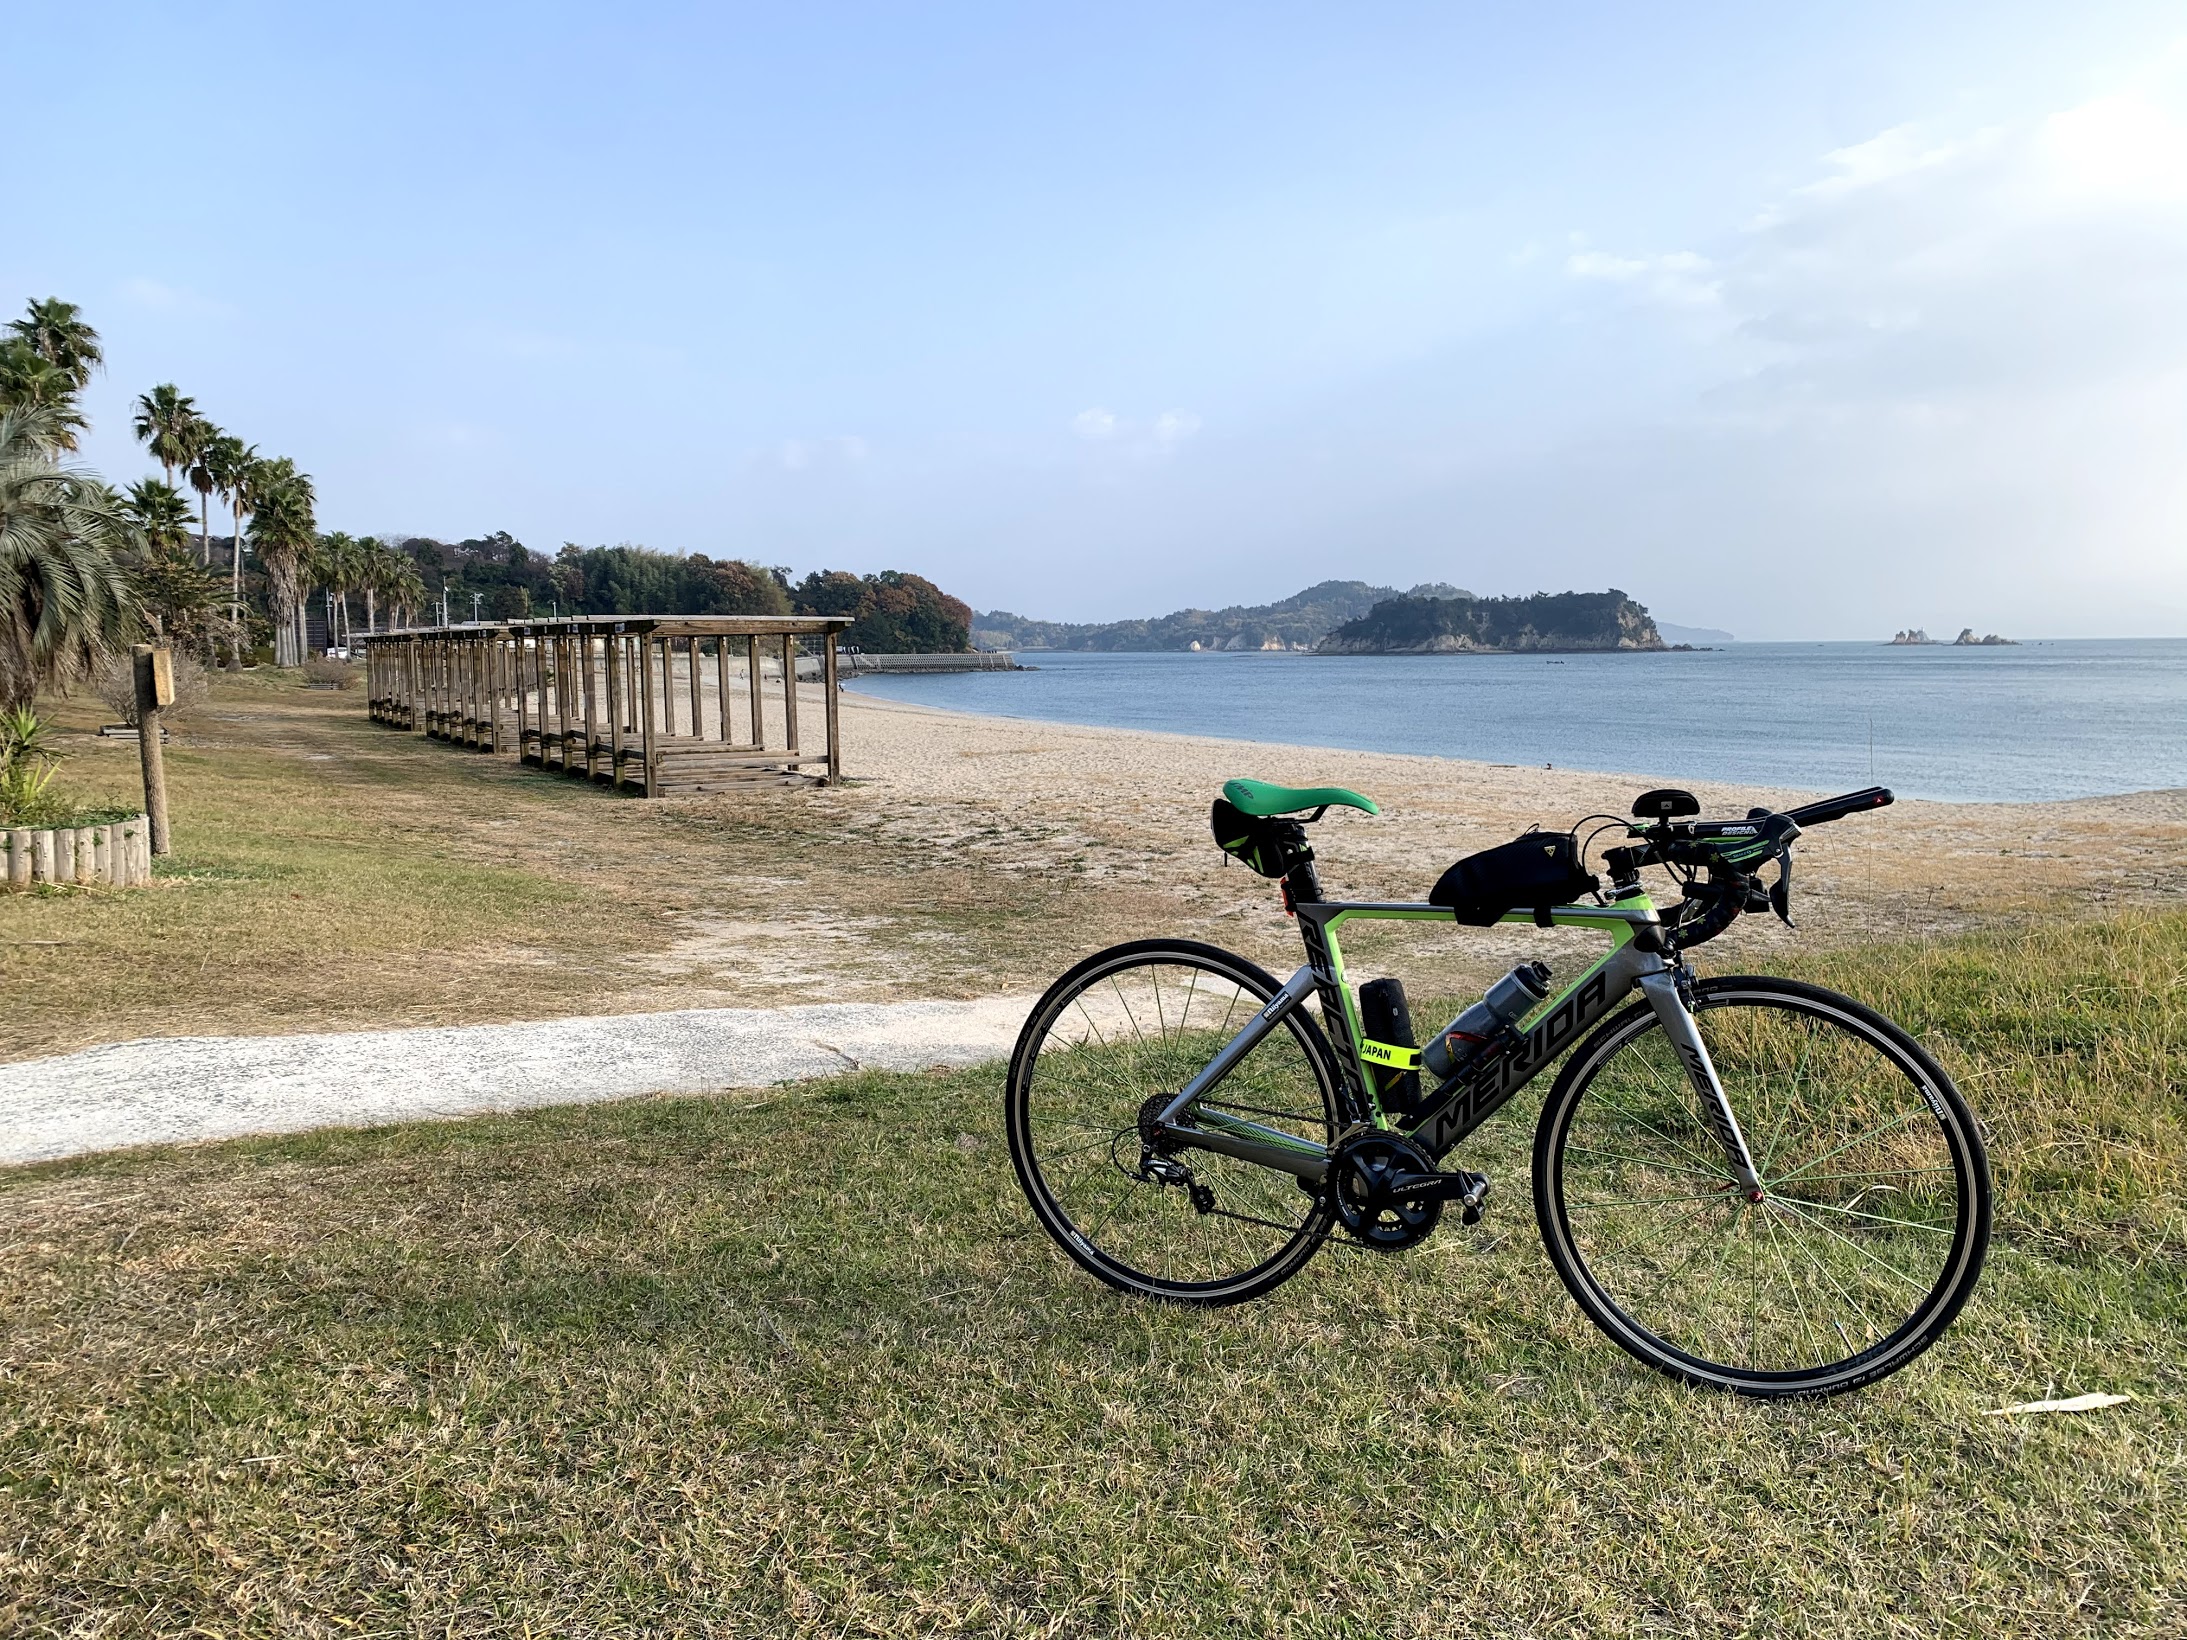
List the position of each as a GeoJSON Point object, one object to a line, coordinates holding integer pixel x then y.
{"type": "Point", "coordinates": [335, 875]}
{"type": "Point", "coordinates": [1124, 813]}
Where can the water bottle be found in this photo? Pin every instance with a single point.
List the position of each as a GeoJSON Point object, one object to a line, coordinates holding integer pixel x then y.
{"type": "Point", "coordinates": [1509, 1000]}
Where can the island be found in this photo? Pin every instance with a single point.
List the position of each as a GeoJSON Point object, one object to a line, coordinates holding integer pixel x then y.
{"type": "Point", "coordinates": [1965, 640]}
{"type": "Point", "coordinates": [1547, 622]}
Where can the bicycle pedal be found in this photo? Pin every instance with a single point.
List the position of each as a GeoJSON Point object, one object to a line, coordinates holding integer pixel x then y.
{"type": "Point", "coordinates": [1471, 1200]}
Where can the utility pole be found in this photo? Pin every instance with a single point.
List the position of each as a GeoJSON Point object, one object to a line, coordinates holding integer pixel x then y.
{"type": "Point", "coordinates": [155, 679]}
{"type": "Point", "coordinates": [475, 597]}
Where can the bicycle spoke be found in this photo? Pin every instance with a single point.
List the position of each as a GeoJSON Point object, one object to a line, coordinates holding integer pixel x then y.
{"type": "Point", "coordinates": [1853, 1232]}
{"type": "Point", "coordinates": [1642, 1161]}
{"type": "Point", "coordinates": [1882, 1264]}
{"type": "Point", "coordinates": [1855, 1213]}
{"type": "Point", "coordinates": [1079, 1092]}
{"type": "Point", "coordinates": [1858, 1139]}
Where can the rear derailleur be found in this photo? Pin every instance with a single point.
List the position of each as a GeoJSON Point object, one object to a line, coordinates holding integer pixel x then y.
{"type": "Point", "coordinates": [1155, 1169]}
{"type": "Point", "coordinates": [1388, 1194]}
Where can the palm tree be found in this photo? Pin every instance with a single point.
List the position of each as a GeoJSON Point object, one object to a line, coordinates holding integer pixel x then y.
{"type": "Point", "coordinates": [29, 380]}
{"type": "Point", "coordinates": [167, 424]}
{"type": "Point", "coordinates": [201, 480]}
{"type": "Point", "coordinates": [158, 514]}
{"type": "Point", "coordinates": [283, 529]}
{"type": "Point", "coordinates": [403, 585]}
{"type": "Point", "coordinates": [65, 600]}
{"type": "Point", "coordinates": [56, 332]}
{"type": "Point", "coordinates": [230, 464]}
{"type": "Point", "coordinates": [338, 565]}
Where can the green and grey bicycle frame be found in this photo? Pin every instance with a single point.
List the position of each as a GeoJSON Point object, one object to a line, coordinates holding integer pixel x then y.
{"type": "Point", "coordinates": [1463, 1102]}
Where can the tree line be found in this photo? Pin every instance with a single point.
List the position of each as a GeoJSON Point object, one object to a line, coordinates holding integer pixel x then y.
{"type": "Point", "coordinates": [498, 578]}
{"type": "Point", "coordinates": [86, 568]}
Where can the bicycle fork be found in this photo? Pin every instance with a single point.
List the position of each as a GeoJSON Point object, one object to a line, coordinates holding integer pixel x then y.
{"type": "Point", "coordinates": [1679, 1024]}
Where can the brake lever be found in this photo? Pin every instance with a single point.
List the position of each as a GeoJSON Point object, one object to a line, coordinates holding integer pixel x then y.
{"type": "Point", "coordinates": [1780, 891]}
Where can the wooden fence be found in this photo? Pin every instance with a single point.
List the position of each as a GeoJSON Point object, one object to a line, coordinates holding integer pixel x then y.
{"type": "Point", "coordinates": [661, 704]}
{"type": "Point", "coordinates": [117, 854]}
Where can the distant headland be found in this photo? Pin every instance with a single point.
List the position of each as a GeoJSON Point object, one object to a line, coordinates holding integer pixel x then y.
{"type": "Point", "coordinates": [1356, 618]}
{"type": "Point", "coordinates": [1965, 640]}
{"type": "Point", "coordinates": [1547, 621]}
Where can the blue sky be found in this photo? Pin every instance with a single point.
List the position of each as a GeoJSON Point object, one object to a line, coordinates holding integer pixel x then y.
{"type": "Point", "coordinates": [1807, 327]}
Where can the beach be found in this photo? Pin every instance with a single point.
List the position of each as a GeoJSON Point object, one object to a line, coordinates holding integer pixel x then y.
{"type": "Point", "coordinates": [335, 875]}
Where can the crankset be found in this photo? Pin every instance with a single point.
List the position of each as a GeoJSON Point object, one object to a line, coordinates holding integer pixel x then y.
{"type": "Point", "coordinates": [1388, 1194]}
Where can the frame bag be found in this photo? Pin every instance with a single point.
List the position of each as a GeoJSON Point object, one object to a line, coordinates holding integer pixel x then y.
{"type": "Point", "coordinates": [1529, 873]}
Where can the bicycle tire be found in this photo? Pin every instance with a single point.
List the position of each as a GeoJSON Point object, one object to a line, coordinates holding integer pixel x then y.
{"type": "Point", "coordinates": [1932, 1128]}
{"type": "Point", "coordinates": [1123, 1080]}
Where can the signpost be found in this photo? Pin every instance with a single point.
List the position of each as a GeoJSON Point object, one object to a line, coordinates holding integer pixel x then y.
{"type": "Point", "coordinates": [155, 673]}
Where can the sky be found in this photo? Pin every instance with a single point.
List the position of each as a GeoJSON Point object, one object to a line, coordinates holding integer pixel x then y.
{"type": "Point", "coordinates": [1804, 326]}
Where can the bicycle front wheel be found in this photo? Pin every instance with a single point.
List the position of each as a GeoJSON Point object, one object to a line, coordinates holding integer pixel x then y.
{"type": "Point", "coordinates": [1111, 1043]}
{"type": "Point", "coordinates": [1867, 1234]}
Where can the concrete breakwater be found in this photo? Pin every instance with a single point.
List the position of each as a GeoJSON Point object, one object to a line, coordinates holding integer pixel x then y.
{"type": "Point", "coordinates": [849, 661]}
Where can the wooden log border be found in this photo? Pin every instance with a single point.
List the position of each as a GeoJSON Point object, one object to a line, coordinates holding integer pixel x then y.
{"type": "Point", "coordinates": [117, 854]}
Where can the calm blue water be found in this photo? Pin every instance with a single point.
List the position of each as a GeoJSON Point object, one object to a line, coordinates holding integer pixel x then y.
{"type": "Point", "coordinates": [2071, 718]}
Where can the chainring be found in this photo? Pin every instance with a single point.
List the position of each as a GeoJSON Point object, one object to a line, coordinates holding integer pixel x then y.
{"type": "Point", "coordinates": [1359, 1174]}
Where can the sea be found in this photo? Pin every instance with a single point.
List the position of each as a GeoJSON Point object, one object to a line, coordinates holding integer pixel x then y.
{"type": "Point", "coordinates": [2037, 721]}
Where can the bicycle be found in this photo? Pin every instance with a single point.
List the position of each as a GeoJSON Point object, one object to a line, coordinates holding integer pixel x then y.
{"type": "Point", "coordinates": [1748, 1183]}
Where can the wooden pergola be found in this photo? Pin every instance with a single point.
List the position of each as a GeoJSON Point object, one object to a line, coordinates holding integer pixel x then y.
{"type": "Point", "coordinates": [662, 704]}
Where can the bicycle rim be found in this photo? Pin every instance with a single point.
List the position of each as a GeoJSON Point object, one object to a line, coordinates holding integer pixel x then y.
{"type": "Point", "coordinates": [1132, 1026]}
{"type": "Point", "coordinates": [1870, 1226]}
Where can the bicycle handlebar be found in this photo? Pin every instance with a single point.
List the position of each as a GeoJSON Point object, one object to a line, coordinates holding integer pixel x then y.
{"type": "Point", "coordinates": [1731, 852]}
{"type": "Point", "coordinates": [1837, 808]}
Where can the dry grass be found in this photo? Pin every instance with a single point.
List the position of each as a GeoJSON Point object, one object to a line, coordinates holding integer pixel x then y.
{"type": "Point", "coordinates": [330, 873]}
{"type": "Point", "coordinates": [800, 1365]}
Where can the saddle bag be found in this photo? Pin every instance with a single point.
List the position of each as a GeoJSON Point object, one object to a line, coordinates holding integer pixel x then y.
{"type": "Point", "coordinates": [1529, 873]}
{"type": "Point", "coordinates": [1269, 846]}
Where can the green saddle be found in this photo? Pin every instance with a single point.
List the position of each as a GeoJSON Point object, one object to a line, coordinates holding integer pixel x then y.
{"type": "Point", "coordinates": [1261, 800]}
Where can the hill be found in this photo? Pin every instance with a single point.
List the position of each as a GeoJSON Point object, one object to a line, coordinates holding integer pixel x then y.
{"type": "Point", "coordinates": [1465, 625]}
{"type": "Point", "coordinates": [1297, 622]}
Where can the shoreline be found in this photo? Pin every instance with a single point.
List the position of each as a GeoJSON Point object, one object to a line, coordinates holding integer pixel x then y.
{"type": "Point", "coordinates": [891, 704]}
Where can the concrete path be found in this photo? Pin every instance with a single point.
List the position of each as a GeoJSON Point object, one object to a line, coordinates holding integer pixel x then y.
{"type": "Point", "coordinates": [169, 1089]}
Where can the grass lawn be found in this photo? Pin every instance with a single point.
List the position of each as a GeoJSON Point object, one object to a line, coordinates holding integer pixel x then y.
{"type": "Point", "coordinates": [329, 873]}
{"type": "Point", "coordinates": [799, 1363]}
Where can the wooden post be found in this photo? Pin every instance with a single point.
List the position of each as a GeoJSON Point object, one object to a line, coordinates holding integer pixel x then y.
{"type": "Point", "coordinates": [789, 690]}
{"type": "Point", "coordinates": [645, 673]}
{"type": "Point", "coordinates": [828, 683]}
{"type": "Point", "coordinates": [87, 854]}
{"type": "Point", "coordinates": [41, 856]}
{"type": "Point", "coordinates": [751, 688]}
{"type": "Point", "coordinates": [64, 854]}
{"type": "Point", "coordinates": [18, 859]}
{"type": "Point", "coordinates": [721, 683]}
{"type": "Point", "coordinates": [668, 688]}
{"type": "Point", "coordinates": [102, 852]}
{"type": "Point", "coordinates": [698, 718]}
{"type": "Point", "coordinates": [155, 669]}
{"type": "Point", "coordinates": [611, 655]}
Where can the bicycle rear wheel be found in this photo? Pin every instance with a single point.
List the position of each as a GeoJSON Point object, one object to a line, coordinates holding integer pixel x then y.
{"type": "Point", "coordinates": [1112, 1041]}
{"type": "Point", "coordinates": [1867, 1235]}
